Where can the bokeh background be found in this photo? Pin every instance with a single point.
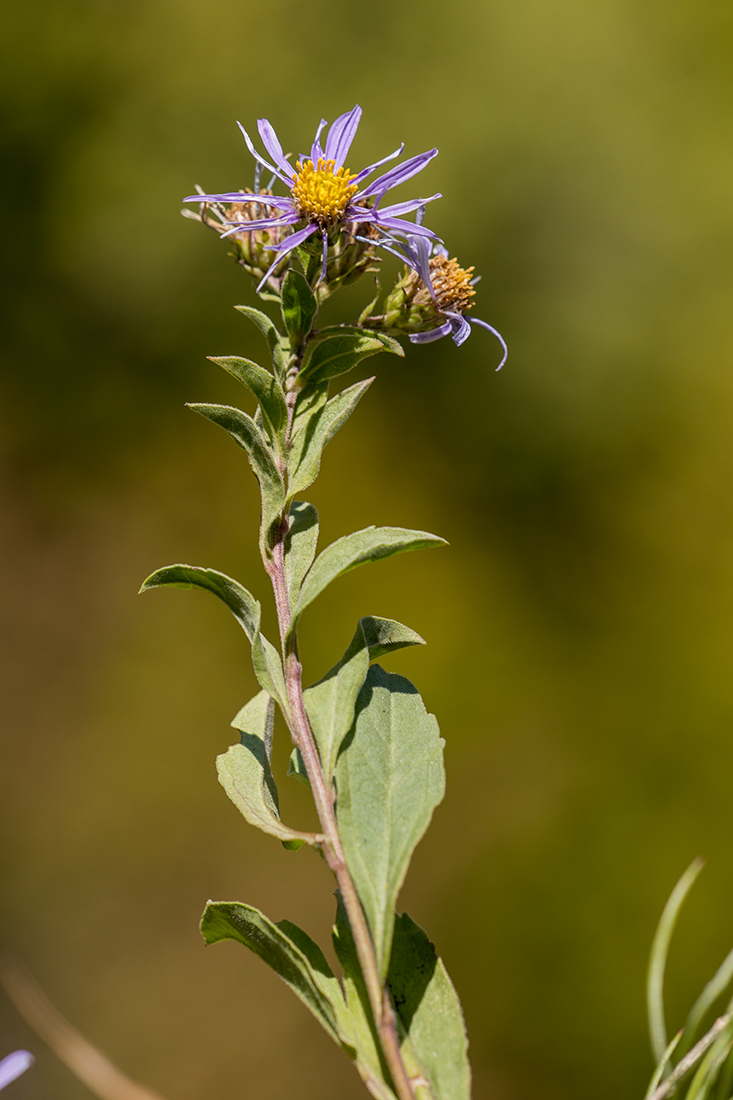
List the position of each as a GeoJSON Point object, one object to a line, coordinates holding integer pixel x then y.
{"type": "Point", "coordinates": [580, 626]}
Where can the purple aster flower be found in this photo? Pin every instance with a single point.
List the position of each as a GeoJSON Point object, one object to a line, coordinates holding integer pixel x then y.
{"type": "Point", "coordinates": [324, 195]}
{"type": "Point", "coordinates": [435, 295]}
{"type": "Point", "coordinates": [15, 1064]}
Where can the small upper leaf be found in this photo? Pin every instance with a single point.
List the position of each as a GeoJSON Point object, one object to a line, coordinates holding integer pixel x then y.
{"type": "Point", "coordinates": [390, 778]}
{"type": "Point", "coordinates": [245, 432]}
{"type": "Point", "coordinates": [261, 383]}
{"type": "Point", "coordinates": [337, 355]}
{"type": "Point", "coordinates": [429, 1010]}
{"type": "Point", "coordinates": [299, 306]}
{"type": "Point", "coordinates": [240, 602]}
{"type": "Point", "coordinates": [300, 545]}
{"type": "Point", "coordinates": [371, 544]}
{"type": "Point", "coordinates": [271, 334]}
{"type": "Point", "coordinates": [245, 771]}
{"type": "Point", "coordinates": [304, 461]}
{"type": "Point", "coordinates": [388, 342]}
{"type": "Point", "coordinates": [330, 703]}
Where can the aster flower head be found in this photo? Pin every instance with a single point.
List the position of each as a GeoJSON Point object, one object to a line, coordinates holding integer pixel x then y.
{"type": "Point", "coordinates": [325, 199]}
{"type": "Point", "coordinates": [13, 1065]}
{"type": "Point", "coordinates": [434, 295]}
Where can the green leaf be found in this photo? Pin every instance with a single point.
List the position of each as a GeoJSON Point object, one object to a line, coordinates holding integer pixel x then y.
{"type": "Point", "coordinates": [714, 988]}
{"type": "Point", "coordinates": [304, 461]}
{"type": "Point", "coordinates": [245, 771]}
{"type": "Point", "coordinates": [371, 544]}
{"type": "Point", "coordinates": [300, 545]}
{"type": "Point", "coordinates": [362, 1035]}
{"type": "Point", "coordinates": [269, 672]}
{"type": "Point", "coordinates": [429, 1010]}
{"type": "Point", "coordinates": [271, 334]}
{"type": "Point", "coordinates": [240, 602]}
{"type": "Point", "coordinates": [388, 342]}
{"type": "Point", "coordinates": [337, 355]}
{"type": "Point", "coordinates": [245, 432]}
{"type": "Point", "coordinates": [389, 778]}
{"type": "Point", "coordinates": [261, 383]}
{"type": "Point", "coordinates": [296, 767]}
{"type": "Point", "coordinates": [658, 959]}
{"type": "Point", "coordinates": [659, 1071]}
{"type": "Point", "coordinates": [330, 703]}
{"type": "Point", "coordinates": [299, 307]}
{"type": "Point", "coordinates": [284, 947]}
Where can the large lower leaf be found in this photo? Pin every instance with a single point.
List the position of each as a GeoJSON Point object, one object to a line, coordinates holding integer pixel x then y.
{"type": "Point", "coordinates": [285, 948]}
{"type": "Point", "coordinates": [240, 602]}
{"type": "Point", "coordinates": [245, 772]}
{"type": "Point", "coordinates": [246, 433]}
{"type": "Point", "coordinates": [330, 703]}
{"type": "Point", "coordinates": [389, 778]}
{"type": "Point", "coordinates": [371, 544]}
{"type": "Point", "coordinates": [304, 460]}
{"type": "Point", "coordinates": [429, 1010]}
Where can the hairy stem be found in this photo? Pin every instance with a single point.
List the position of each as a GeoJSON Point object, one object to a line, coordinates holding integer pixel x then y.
{"type": "Point", "coordinates": [323, 797]}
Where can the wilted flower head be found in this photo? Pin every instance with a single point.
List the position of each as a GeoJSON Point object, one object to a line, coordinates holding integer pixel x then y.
{"type": "Point", "coordinates": [15, 1064]}
{"type": "Point", "coordinates": [434, 295]}
{"type": "Point", "coordinates": [325, 197]}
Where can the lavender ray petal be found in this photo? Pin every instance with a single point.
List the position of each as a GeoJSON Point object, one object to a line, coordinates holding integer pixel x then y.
{"type": "Point", "coordinates": [272, 144]}
{"type": "Point", "coordinates": [15, 1064]}
{"type": "Point", "coordinates": [287, 180]}
{"type": "Point", "coordinates": [399, 174]}
{"type": "Point", "coordinates": [428, 337]}
{"type": "Point", "coordinates": [316, 150]}
{"type": "Point", "coordinates": [422, 251]}
{"type": "Point", "coordinates": [408, 228]}
{"type": "Point", "coordinates": [499, 337]}
{"type": "Point", "coordinates": [324, 266]}
{"type": "Point", "coordinates": [244, 196]}
{"type": "Point", "coordinates": [293, 240]}
{"type": "Point", "coordinates": [377, 164]}
{"type": "Point", "coordinates": [341, 135]}
{"type": "Point", "coordinates": [262, 223]}
{"type": "Point", "coordinates": [404, 207]}
{"type": "Point", "coordinates": [461, 330]}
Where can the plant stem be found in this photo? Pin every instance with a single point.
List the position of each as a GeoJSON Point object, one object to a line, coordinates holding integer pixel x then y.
{"type": "Point", "coordinates": [381, 1006]}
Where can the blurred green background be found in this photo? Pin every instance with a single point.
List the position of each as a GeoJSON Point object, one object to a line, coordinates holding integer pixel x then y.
{"type": "Point", "coordinates": [580, 626]}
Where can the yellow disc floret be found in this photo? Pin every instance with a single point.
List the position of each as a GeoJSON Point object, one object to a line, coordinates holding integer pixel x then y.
{"type": "Point", "coordinates": [322, 194]}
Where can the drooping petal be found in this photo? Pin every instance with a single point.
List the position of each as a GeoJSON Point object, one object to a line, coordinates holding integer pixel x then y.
{"type": "Point", "coordinates": [273, 146]}
{"type": "Point", "coordinates": [341, 135]}
{"type": "Point", "coordinates": [399, 174]}
{"type": "Point", "coordinates": [433, 334]}
{"type": "Point", "coordinates": [316, 150]}
{"type": "Point", "coordinates": [460, 328]}
{"type": "Point", "coordinates": [15, 1064]}
{"type": "Point", "coordinates": [262, 223]}
{"type": "Point", "coordinates": [324, 265]}
{"type": "Point", "coordinates": [293, 240]}
{"type": "Point", "coordinates": [377, 164]}
{"type": "Point", "coordinates": [285, 179]}
{"type": "Point", "coordinates": [401, 227]}
{"type": "Point", "coordinates": [499, 337]}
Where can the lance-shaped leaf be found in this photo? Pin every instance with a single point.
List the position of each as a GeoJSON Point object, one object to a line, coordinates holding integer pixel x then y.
{"type": "Point", "coordinates": [371, 544]}
{"type": "Point", "coordinates": [287, 949]}
{"type": "Point", "coordinates": [363, 1037]}
{"type": "Point", "coordinates": [245, 432]}
{"type": "Point", "coordinates": [300, 545]}
{"type": "Point", "coordinates": [337, 355]}
{"type": "Point", "coordinates": [388, 342]}
{"type": "Point", "coordinates": [240, 602]}
{"type": "Point", "coordinates": [389, 778]}
{"type": "Point", "coordinates": [305, 455]}
{"type": "Point", "coordinates": [245, 772]}
{"type": "Point", "coordinates": [271, 334]}
{"type": "Point", "coordinates": [269, 671]}
{"type": "Point", "coordinates": [299, 306]}
{"type": "Point", "coordinates": [429, 1010]}
{"type": "Point", "coordinates": [330, 703]}
{"type": "Point", "coordinates": [261, 383]}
